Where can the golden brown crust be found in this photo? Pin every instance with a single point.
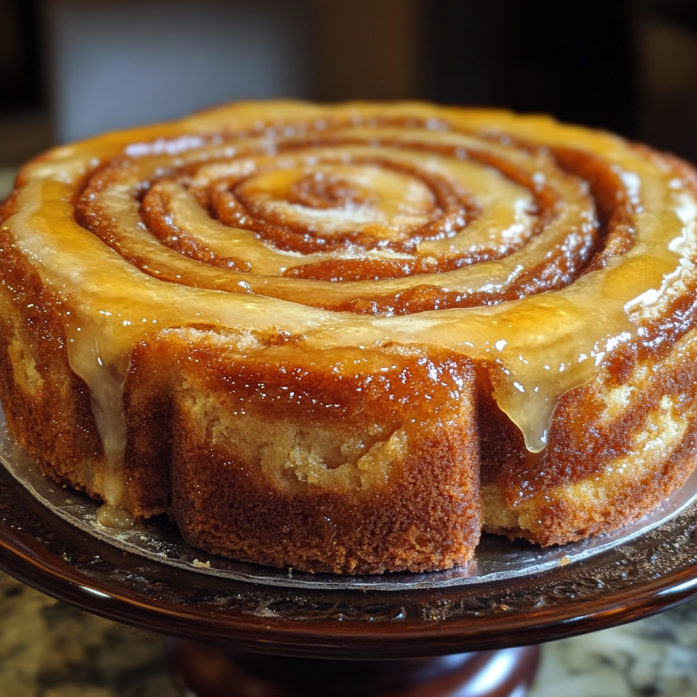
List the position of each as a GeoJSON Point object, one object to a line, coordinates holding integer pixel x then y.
{"type": "Point", "coordinates": [46, 405]}
{"type": "Point", "coordinates": [342, 472]}
{"type": "Point", "coordinates": [617, 446]}
{"type": "Point", "coordinates": [424, 520]}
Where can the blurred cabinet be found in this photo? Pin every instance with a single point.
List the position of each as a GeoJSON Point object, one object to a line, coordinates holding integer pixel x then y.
{"type": "Point", "coordinates": [116, 63]}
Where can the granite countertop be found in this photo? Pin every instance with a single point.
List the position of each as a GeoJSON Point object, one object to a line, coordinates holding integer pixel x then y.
{"type": "Point", "coordinates": [50, 649]}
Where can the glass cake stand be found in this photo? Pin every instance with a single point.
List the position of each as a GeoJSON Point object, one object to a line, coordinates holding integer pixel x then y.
{"type": "Point", "coordinates": [241, 629]}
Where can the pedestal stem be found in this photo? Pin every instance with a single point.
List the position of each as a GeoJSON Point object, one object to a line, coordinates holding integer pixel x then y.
{"type": "Point", "coordinates": [202, 670]}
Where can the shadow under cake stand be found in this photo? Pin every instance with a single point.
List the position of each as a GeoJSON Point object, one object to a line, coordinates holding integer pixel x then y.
{"type": "Point", "coordinates": [242, 630]}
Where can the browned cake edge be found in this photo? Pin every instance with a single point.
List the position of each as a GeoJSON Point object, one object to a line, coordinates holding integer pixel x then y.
{"type": "Point", "coordinates": [618, 447]}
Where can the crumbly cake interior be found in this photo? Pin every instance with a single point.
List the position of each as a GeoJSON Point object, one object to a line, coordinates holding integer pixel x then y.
{"type": "Point", "coordinates": [347, 338]}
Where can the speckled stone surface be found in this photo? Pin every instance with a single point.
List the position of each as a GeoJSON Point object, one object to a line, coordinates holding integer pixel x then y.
{"type": "Point", "coordinates": [49, 649]}
{"type": "Point", "coordinates": [656, 657]}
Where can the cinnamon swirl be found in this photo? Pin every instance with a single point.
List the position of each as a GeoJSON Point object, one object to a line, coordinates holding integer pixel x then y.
{"type": "Point", "coordinates": [348, 338]}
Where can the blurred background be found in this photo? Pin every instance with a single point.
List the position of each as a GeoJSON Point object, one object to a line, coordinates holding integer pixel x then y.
{"type": "Point", "coordinates": [72, 68]}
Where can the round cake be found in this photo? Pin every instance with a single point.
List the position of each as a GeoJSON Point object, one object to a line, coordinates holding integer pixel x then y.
{"type": "Point", "coordinates": [349, 338]}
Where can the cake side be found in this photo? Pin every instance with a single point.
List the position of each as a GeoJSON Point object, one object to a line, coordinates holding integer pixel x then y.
{"type": "Point", "coordinates": [47, 406]}
{"type": "Point", "coordinates": [341, 461]}
{"type": "Point", "coordinates": [618, 447]}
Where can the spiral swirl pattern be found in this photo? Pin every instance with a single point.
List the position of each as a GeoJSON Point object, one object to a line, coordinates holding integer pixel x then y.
{"type": "Point", "coordinates": [532, 247]}
{"type": "Point", "coordinates": [387, 216]}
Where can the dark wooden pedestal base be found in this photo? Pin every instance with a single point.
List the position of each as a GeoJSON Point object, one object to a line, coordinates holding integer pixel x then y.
{"type": "Point", "coordinates": [202, 670]}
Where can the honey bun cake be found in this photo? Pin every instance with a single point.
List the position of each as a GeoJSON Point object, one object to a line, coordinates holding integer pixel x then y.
{"type": "Point", "coordinates": [350, 338]}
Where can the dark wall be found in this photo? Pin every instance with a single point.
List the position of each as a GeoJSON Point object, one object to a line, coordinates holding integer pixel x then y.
{"type": "Point", "coordinates": [608, 64]}
{"type": "Point", "coordinates": [20, 55]}
{"type": "Point", "coordinates": [629, 66]}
